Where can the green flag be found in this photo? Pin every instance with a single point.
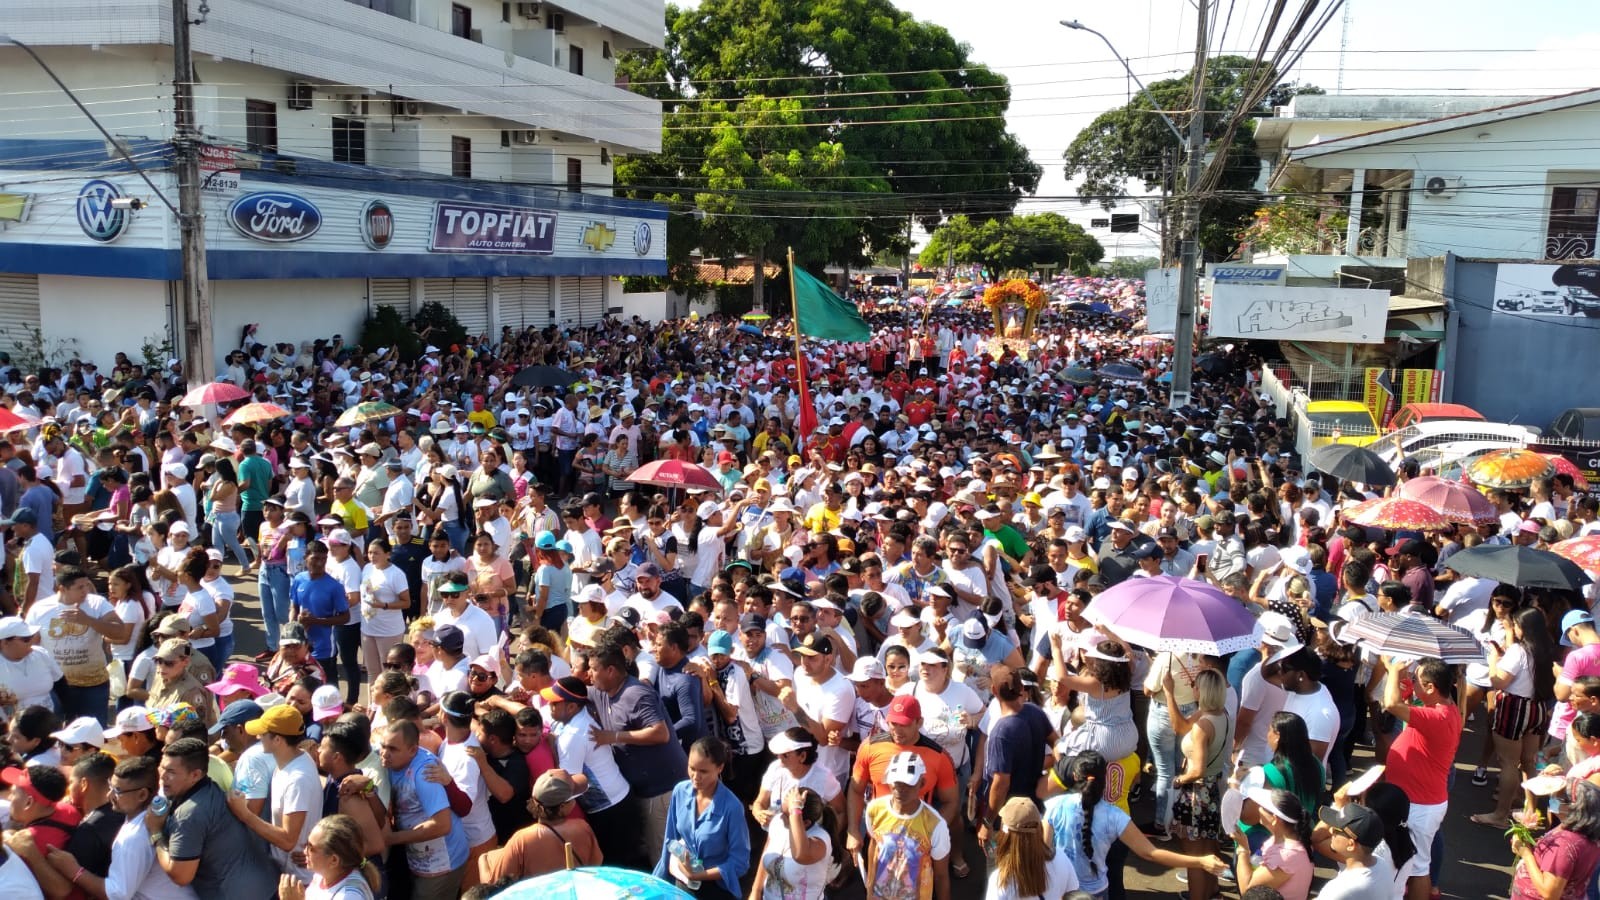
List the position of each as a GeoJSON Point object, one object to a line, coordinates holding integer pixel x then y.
{"type": "Point", "coordinates": [820, 313]}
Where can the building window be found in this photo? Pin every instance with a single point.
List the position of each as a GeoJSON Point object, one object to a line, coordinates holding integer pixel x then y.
{"type": "Point", "coordinates": [575, 60]}
{"type": "Point", "coordinates": [349, 141]}
{"type": "Point", "coordinates": [575, 175]}
{"type": "Point", "coordinates": [461, 157]}
{"type": "Point", "coordinates": [1574, 219]}
{"type": "Point", "coordinates": [460, 20]}
{"type": "Point", "coordinates": [261, 126]}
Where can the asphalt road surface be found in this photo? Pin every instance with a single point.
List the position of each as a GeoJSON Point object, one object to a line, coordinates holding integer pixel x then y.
{"type": "Point", "coordinates": [1478, 858]}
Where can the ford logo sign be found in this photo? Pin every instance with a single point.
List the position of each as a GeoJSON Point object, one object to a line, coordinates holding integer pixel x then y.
{"type": "Point", "coordinates": [274, 217]}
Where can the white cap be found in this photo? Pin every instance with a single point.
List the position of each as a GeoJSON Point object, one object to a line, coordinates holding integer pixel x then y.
{"type": "Point", "coordinates": [905, 768]}
{"type": "Point", "coordinates": [15, 627]}
{"type": "Point", "coordinates": [1130, 474]}
{"type": "Point", "coordinates": [129, 721]}
{"type": "Point", "coordinates": [326, 703]}
{"type": "Point", "coordinates": [707, 509]}
{"type": "Point", "coordinates": [82, 730]}
{"type": "Point", "coordinates": [867, 668]}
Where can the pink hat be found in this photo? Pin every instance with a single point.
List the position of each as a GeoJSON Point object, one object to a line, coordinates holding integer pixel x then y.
{"type": "Point", "coordinates": [240, 676]}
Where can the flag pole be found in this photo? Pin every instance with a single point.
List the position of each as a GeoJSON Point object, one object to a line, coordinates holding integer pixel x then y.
{"type": "Point", "coordinates": [799, 358]}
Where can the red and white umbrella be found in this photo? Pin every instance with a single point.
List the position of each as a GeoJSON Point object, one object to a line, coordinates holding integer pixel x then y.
{"type": "Point", "coordinates": [1585, 551]}
{"type": "Point", "coordinates": [675, 473]}
{"type": "Point", "coordinates": [1456, 501]}
{"type": "Point", "coordinates": [256, 412]}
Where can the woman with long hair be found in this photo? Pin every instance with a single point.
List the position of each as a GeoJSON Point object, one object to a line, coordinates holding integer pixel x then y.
{"type": "Point", "coordinates": [550, 603]}
{"type": "Point", "coordinates": [199, 606]}
{"type": "Point", "coordinates": [1286, 856]}
{"type": "Point", "coordinates": [1490, 626]}
{"type": "Point", "coordinates": [706, 840]}
{"type": "Point", "coordinates": [1103, 686]}
{"type": "Point", "coordinates": [1523, 680]}
{"type": "Point", "coordinates": [794, 765]}
{"type": "Point", "coordinates": [1026, 866]}
{"type": "Point", "coordinates": [1294, 767]}
{"type": "Point", "coordinates": [800, 849]}
{"type": "Point", "coordinates": [1080, 826]}
{"type": "Point", "coordinates": [135, 601]}
{"type": "Point", "coordinates": [339, 870]}
{"type": "Point", "coordinates": [1563, 862]}
{"type": "Point", "coordinates": [491, 576]}
{"type": "Point", "coordinates": [225, 515]}
{"type": "Point", "coordinates": [1206, 738]}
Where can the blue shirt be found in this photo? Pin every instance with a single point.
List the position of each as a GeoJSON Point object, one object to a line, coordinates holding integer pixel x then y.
{"type": "Point", "coordinates": [650, 770]}
{"type": "Point", "coordinates": [719, 836]}
{"type": "Point", "coordinates": [324, 598]}
{"type": "Point", "coordinates": [1064, 812]}
{"type": "Point", "coordinates": [416, 799]}
{"type": "Point", "coordinates": [42, 501]}
{"type": "Point", "coordinates": [685, 702]}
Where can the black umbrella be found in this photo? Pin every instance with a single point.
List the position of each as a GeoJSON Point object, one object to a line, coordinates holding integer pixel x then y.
{"type": "Point", "coordinates": [1077, 307]}
{"type": "Point", "coordinates": [543, 376]}
{"type": "Point", "coordinates": [1520, 566]}
{"type": "Point", "coordinates": [1212, 364]}
{"type": "Point", "coordinates": [1118, 371]}
{"type": "Point", "coordinates": [1351, 463]}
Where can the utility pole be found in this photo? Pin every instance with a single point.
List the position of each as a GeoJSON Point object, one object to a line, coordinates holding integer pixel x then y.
{"type": "Point", "coordinates": [1189, 287]}
{"type": "Point", "coordinates": [194, 319]}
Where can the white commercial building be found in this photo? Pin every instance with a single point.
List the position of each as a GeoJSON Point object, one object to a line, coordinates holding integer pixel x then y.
{"type": "Point", "coordinates": [376, 152]}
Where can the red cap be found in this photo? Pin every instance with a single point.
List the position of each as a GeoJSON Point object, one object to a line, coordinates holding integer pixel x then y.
{"type": "Point", "coordinates": [726, 456]}
{"type": "Point", "coordinates": [904, 710]}
{"type": "Point", "coordinates": [17, 777]}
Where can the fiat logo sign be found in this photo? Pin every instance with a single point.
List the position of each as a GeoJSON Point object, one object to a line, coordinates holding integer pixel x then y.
{"type": "Point", "coordinates": [377, 224]}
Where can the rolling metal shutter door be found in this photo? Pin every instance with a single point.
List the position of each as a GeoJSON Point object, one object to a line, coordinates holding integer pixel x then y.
{"type": "Point", "coordinates": [466, 298]}
{"type": "Point", "coordinates": [395, 292]}
{"type": "Point", "coordinates": [592, 301]}
{"type": "Point", "coordinates": [571, 295]}
{"type": "Point", "coordinates": [525, 302]}
{"type": "Point", "coordinates": [19, 313]}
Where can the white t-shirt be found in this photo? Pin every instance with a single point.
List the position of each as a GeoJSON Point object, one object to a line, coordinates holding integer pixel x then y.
{"type": "Point", "coordinates": [1265, 699]}
{"type": "Point", "coordinates": [253, 772]}
{"type": "Point", "coordinates": [576, 751]}
{"type": "Point", "coordinates": [787, 879]}
{"type": "Point", "coordinates": [78, 649]}
{"type": "Point", "coordinates": [469, 778]}
{"type": "Point", "coordinates": [831, 701]}
{"type": "Point", "coordinates": [220, 591]}
{"type": "Point", "coordinates": [435, 573]}
{"type": "Point", "coordinates": [382, 586]}
{"type": "Point", "coordinates": [1373, 882]}
{"type": "Point", "coordinates": [134, 874]}
{"type": "Point", "coordinates": [1466, 596]}
{"type": "Point", "coordinates": [31, 677]}
{"type": "Point", "coordinates": [296, 788]}
{"type": "Point", "coordinates": [942, 715]}
{"type": "Point", "coordinates": [71, 467]}
{"type": "Point", "coordinates": [1320, 715]}
{"type": "Point", "coordinates": [479, 635]}
{"type": "Point", "coordinates": [196, 607]}
{"type": "Point", "coordinates": [1515, 662]}
{"type": "Point", "coordinates": [1059, 877]}
{"type": "Point", "coordinates": [170, 557]}
{"type": "Point", "coordinates": [39, 558]}
{"type": "Point", "coordinates": [132, 612]}
{"type": "Point", "coordinates": [778, 781]}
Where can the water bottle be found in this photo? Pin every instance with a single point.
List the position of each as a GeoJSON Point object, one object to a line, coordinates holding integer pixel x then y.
{"type": "Point", "coordinates": [160, 806]}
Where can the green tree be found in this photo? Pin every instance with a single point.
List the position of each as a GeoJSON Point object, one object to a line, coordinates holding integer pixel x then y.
{"type": "Point", "coordinates": [783, 128]}
{"type": "Point", "coordinates": [1013, 242]}
{"type": "Point", "coordinates": [1132, 144]}
{"type": "Point", "coordinates": [1130, 266]}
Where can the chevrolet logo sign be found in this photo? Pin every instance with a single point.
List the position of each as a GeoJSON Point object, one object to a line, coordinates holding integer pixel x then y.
{"type": "Point", "coordinates": [599, 237]}
{"type": "Point", "coordinates": [14, 207]}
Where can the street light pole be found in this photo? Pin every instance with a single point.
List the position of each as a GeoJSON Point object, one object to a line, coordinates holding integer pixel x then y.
{"type": "Point", "coordinates": [1194, 143]}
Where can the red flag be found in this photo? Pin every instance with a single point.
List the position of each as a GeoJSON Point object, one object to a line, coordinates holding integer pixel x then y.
{"type": "Point", "coordinates": [806, 423]}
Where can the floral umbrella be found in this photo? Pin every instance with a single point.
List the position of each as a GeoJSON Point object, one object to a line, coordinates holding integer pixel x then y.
{"type": "Point", "coordinates": [1513, 469]}
{"type": "Point", "coordinates": [361, 413]}
{"type": "Point", "coordinates": [1458, 502]}
{"type": "Point", "coordinates": [1567, 466]}
{"type": "Point", "coordinates": [1585, 551]}
{"type": "Point", "coordinates": [1396, 513]}
{"type": "Point", "coordinates": [256, 412]}
{"type": "Point", "coordinates": [214, 392]}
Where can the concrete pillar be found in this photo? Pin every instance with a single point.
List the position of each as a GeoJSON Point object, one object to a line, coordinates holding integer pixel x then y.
{"type": "Point", "coordinates": [1352, 233]}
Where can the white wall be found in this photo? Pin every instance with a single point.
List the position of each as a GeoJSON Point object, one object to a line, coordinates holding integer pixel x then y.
{"type": "Point", "coordinates": [651, 306]}
{"type": "Point", "coordinates": [104, 315]}
{"type": "Point", "coordinates": [287, 310]}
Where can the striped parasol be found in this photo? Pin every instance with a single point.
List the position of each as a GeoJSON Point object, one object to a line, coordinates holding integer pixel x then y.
{"type": "Point", "coordinates": [256, 412]}
{"type": "Point", "coordinates": [1396, 513]}
{"type": "Point", "coordinates": [1512, 469]}
{"type": "Point", "coordinates": [1414, 637]}
{"type": "Point", "coordinates": [361, 413]}
{"type": "Point", "coordinates": [1585, 551]}
{"type": "Point", "coordinates": [1457, 502]}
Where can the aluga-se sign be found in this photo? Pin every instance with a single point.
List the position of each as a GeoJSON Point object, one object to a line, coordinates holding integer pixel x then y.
{"type": "Point", "coordinates": [486, 228]}
{"type": "Point", "coordinates": [275, 217]}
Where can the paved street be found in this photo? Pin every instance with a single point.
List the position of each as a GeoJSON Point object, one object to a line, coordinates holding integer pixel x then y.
{"type": "Point", "coordinates": [1479, 867]}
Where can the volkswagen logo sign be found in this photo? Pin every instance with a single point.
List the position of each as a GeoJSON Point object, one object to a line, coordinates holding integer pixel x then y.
{"type": "Point", "coordinates": [641, 239]}
{"type": "Point", "coordinates": [377, 224]}
{"type": "Point", "coordinates": [96, 216]}
{"type": "Point", "coordinates": [275, 217]}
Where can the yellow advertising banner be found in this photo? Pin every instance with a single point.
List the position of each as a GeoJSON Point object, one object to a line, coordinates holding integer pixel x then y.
{"type": "Point", "coordinates": [1419, 386]}
{"type": "Point", "coordinates": [1375, 398]}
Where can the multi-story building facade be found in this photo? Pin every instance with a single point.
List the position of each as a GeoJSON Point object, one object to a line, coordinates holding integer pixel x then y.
{"type": "Point", "coordinates": [376, 152]}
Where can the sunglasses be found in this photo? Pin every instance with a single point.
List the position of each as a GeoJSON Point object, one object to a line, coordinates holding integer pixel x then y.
{"type": "Point", "coordinates": [392, 666]}
{"type": "Point", "coordinates": [478, 676]}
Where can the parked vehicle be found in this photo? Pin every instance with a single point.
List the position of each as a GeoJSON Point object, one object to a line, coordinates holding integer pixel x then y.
{"type": "Point", "coordinates": [1454, 437]}
{"type": "Point", "coordinates": [1581, 423]}
{"type": "Point", "coordinates": [1340, 422]}
{"type": "Point", "coordinates": [1580, 288]}
{"type": "Point", "coordinates": [1412, 413]}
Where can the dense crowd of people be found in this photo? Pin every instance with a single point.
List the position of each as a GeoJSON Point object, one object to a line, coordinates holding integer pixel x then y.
{"type": "Point", "coordinates": [857, 658]}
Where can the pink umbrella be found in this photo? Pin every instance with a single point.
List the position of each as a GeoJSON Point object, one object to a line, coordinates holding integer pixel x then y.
{"type": "Point", "coordinates": [1396, 513]}
{"type": "Point", "coordinates": [215, 392]}
{"type": "Point", "coordinates": [1174, 614]}
{"type": "Point", "coordinates": [12, 421]}
{"type": "Point", "coordinates": [256, 412]}
{"type": "Point", "coordinates": [1456, 501]}
{"type": "Point", "coordinates": [1585, 551]}
{"type": "Point", "coordinates": [675, 473]}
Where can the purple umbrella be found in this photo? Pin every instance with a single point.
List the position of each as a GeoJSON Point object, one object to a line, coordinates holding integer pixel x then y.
{"type": "Point", "coordinates": [1180, 615]}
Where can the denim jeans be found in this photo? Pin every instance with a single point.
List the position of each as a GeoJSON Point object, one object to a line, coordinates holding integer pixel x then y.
{"type": "Point", "coordinates": [349, 640]}
{"type": "Point", "coordinates": [1165, 754]}
{"type": "Point", "coordinates": [225, 535]}
{"type": "Point", "coordinates": [84, 701]}
{"type": "Point", "coordinates": [273, 583]}
{"type": "Point", "coordinates": [217, 653]}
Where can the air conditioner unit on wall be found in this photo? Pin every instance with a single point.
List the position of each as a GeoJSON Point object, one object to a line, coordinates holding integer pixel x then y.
{"type": "Point", "coordinates": [524, 138]}
{"type": "Point", "coordinates": [1441, 187]}
{"type": "Point", "coordinates": [301, 94]}
{"type": "Point", "coordinates": [401, 108]}
{"type": "Point", "coordinates": [528, 10]}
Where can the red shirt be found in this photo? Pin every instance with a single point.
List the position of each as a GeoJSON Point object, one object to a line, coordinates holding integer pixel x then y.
{"type": "Point", "coordinates": [1419, 762]}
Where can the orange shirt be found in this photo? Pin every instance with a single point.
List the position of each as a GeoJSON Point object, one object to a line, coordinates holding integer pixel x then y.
{"type": "Point", "coordinates": [872, 761]}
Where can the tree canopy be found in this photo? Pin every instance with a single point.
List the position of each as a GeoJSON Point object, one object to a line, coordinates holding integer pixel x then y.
{"type": "Point", "coordinates": [1132, 144]}
{"type": "Point", "coordinates": [820, 126]}
{"type": "Point", "coordinates": [1013, 242]}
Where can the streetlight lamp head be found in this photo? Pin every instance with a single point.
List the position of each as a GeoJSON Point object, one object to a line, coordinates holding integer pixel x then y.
{"type": "Point", "coordinates": [1074, 24]}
